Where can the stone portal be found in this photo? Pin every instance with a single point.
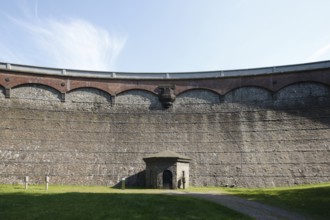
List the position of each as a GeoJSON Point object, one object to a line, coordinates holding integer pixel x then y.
{"type": "Point", "coordinates": [167, 170]}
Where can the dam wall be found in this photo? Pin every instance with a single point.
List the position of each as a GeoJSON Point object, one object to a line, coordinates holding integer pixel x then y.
{"type": "Point", "coordinates": [246, 130]}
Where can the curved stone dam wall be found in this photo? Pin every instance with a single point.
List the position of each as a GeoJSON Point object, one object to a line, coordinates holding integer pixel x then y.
{"type": "Point", "coordinates": [253, 130]}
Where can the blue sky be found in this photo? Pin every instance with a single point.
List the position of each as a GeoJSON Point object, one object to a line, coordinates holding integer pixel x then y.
{"type": "Point", "coordinates": [163, 35]}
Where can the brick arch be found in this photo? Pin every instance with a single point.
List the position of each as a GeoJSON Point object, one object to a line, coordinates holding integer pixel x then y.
{"type": "Point", "coordinates": [15, 80]}
{"type": "Point", "coordinates": [197, 96]}
{"type": "Point", "coordinates": [138, 97]}
{"type": "Point", "coordinates": [88, 94]}
{"type": "Point", "coordinates": [102, 85]}
{"type": "Point", "coordinates": [248, 86]}
{"type": "Point", "coordinates": [90, 87]}
{"type": "Point", "coordinates": [247, 94]}
{"type": "Point", "coordinates": [303, 89]}
{"type": "Point", "coordinates": [37, 91]}
{"type": "Point", "coordinates": [137, 89]}
{"type": "Point", "coordinates": [302, 95]}
{"type": "Point", "coordinates": [41, 84]}
{"type": "Point", "coordinates": [304, 82]}
{"type": "Point", "coordinates": [143, 89]}
{"type": "Point", "coordinates": [201, 89]}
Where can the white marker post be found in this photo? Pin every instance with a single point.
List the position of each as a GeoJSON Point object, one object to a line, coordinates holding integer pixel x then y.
{"type": "Point", "coordinates": [26, 181]}
{"type": "Point", "coordinates": [123, 183]}
{"type": "Point", "coordinates": [47, 181]}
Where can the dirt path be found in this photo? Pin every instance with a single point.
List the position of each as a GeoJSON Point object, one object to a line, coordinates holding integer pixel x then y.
{"type": "Point", "coordinates": [250, 208]}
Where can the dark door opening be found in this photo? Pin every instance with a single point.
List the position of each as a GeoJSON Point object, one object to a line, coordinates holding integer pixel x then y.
{"type": "Point", "coordinates": [167, 179]}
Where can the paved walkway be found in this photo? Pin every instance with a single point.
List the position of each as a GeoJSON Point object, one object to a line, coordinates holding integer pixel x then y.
{"type": "Point", "coordinates": [250, 208]}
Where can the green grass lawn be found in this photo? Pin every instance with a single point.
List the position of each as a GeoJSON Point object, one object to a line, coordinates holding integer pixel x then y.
{"type": "Point", "coordinates": [310, 200]}
{"type": "Point", "coordinates": [98, 202]}
{"type": "Point", "coordinates": [77, 202]}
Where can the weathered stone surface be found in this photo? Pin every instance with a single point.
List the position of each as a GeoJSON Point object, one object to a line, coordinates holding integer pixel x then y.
{"type": "Point", "coordinates": [200, 96]}
{"type": "Point", "coordinates": [88, 95]}
{"type": "Point", "coordinates": [137, 99]}
{"type": "Point", "coordinates": [248, 94]}
{"type": "Point", "coordinates": [247, 137]}
{"type": "Point", "coordinates": [35, 92]}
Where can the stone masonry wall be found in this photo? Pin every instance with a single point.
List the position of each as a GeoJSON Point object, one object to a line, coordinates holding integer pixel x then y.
{"type": "Point", "coordinates": [249, 137]}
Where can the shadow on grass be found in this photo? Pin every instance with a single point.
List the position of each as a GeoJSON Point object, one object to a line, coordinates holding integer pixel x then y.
{"type": "Point", "coordinates": [109, 206]}
{"type": "Point", "coordinates": [313, 202]}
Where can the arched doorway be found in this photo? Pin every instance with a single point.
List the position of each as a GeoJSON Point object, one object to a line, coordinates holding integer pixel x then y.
{"type": "Point", "coordinates": [167, 179]}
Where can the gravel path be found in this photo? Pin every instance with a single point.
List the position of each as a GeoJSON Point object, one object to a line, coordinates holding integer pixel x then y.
{"type": "Point", "coordinates": [250, 208]}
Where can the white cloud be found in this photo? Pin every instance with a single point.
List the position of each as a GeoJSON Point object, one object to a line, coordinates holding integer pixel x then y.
{"type": "Point", "coordinates": [75, 44]}
{"type": "Point", "coordinates": [7, 54]}
{"type": "Point", "coordinates": [321, 54]}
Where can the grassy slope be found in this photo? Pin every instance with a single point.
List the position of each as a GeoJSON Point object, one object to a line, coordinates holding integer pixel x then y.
{"type": "Point", "coordinates": [75, 202]}
{"type": "Point", "coordinates": [311, 200]}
